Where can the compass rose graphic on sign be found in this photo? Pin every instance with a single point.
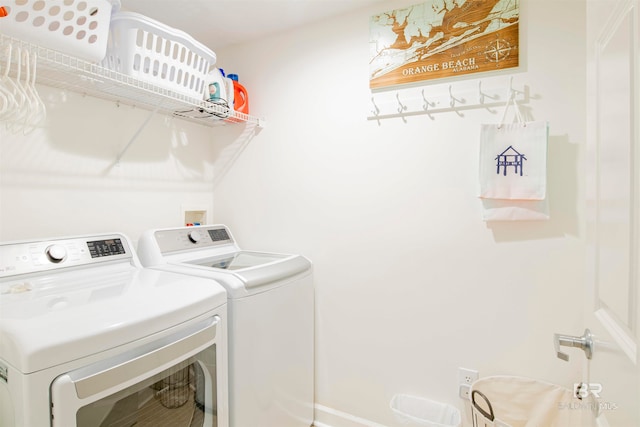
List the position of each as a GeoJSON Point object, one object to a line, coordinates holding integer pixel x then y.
{"type": "Point", "coordinates": [497, 51]}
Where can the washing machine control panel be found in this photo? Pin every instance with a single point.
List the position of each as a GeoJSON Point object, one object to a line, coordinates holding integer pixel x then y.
{"type": "Point", "coordinates": [184, 238]}
{"type": "Point", "coordinates": [32, 257]}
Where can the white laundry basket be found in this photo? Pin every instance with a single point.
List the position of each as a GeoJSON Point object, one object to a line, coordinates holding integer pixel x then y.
{"type": "Point", "coordinates": [79, 28]}
{"type": "Point", "coordinates": [508, 401]}
{"type": "Point", "coordinates": [153, 52]}
{"type": "Point", "coordinates": [413, 410]}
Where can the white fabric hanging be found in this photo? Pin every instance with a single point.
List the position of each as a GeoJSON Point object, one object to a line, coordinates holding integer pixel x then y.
{"type": "Point", "coordinates": [513, 169]}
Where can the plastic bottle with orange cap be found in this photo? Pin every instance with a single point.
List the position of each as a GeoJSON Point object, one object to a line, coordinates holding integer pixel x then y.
{"type": "Point", "coordinates": [240, 95]}
{"type": "Point", "coordinates": [227, 90]}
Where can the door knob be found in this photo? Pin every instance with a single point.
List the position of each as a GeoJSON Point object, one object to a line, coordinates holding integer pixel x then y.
{"type": "Point", "coordinates": [585, 342]}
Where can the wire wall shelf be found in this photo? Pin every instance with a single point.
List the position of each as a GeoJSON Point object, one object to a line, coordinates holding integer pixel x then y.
{"type": "Point", "coordinates": [66, 72]}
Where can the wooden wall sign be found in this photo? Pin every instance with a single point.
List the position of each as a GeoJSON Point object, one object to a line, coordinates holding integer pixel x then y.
{"type": "Point", "coordinates": [443, 38]}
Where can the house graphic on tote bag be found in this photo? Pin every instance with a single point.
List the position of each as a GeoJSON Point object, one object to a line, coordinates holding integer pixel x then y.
{"type": "Point", "coordinates": [510, 157]}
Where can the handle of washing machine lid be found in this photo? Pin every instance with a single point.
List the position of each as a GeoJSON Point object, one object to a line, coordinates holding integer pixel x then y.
{"type": "Point", "coordinates": [274, 272]}
{"type": "Point", "coordinates": [160, 355]}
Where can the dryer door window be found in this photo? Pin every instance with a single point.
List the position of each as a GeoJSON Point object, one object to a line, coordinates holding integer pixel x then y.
{"type": "Point", "coordinates": [181, 392]}
{"type": "Point", "coordinates": [176, 400]}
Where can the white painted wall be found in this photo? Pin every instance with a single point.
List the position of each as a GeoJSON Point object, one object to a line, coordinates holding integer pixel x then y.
{"type": "Point", "coordinates": [62, 179]}
{"type": "Point", "coordinates": [410, 283]}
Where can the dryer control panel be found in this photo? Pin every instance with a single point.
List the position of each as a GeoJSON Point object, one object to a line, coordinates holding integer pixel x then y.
{"type": "Point", "coordinates": [31, 257]}
{"type": "Point", "coordinates": [185, 238]}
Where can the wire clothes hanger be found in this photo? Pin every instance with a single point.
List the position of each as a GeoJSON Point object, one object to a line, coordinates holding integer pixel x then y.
{"type": "Point", "coordinates": [7, 90]}
{"type": "Point", "coordinates": [20, 104]}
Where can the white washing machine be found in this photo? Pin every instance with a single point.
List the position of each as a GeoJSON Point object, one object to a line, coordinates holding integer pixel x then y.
{"type": "Point", "coordinates": [89, 338]}
{"type": "Point", "coordinates": [271, 320]}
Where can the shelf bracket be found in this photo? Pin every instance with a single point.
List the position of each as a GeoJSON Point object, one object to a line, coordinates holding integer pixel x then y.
{"type": "Point", "coordinates": [140, 129]}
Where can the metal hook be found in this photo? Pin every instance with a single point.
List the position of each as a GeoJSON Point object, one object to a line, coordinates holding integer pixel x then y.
{"type": "Point", "coordinates": [512, 92]}
{"type": "Point", "coordinates": [453, 100]}
{"type": "Point", "coordinates": [376, 110]}
{"type": "Point", "coordinates": [482, 96]}
{"type": "Point", "coordinates": [426, 104]}
{"type": "Point", "coordinates": [401, 106]}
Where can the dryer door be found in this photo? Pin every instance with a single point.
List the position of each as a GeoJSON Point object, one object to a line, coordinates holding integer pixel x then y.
{"type": "Point", "coordinates": [177, 381]}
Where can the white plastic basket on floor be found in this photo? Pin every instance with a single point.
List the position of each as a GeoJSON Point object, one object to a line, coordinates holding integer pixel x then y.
{"type": "Point", "coordinates": [155, 53]}
{"type": "Point", "coordinates": [507, 401]}
{"type": "Point", "coordinates": [414, 410]}
{"type": "Point", "coordinates": [79, 28]}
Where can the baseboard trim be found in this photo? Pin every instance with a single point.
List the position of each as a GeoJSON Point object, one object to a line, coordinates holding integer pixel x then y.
{"type": "Point", "coordinates": [329, 417]}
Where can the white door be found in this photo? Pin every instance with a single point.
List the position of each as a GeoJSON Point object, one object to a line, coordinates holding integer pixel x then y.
{"type": "Point", "coordinates": [613, 168]}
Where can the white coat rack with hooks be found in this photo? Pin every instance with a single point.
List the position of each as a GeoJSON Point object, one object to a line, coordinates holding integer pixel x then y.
{"type": "Point", "coordinates": [447, 98]}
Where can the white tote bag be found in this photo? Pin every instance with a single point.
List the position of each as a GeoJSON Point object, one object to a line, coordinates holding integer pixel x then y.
{"type": "Point", "coordinates": [513, 169]}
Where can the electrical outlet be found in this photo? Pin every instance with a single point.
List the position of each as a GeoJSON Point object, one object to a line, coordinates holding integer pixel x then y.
{"type": "Point", "coordinates": [467, 376]}
{"type": "Point", "coordinates": [465, 391]}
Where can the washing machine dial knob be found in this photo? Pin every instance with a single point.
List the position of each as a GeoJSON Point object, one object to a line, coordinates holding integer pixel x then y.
{"type": "Point", "coordinates": [195, 236]}
{"type": "Point", "coordinates": [56, 253]}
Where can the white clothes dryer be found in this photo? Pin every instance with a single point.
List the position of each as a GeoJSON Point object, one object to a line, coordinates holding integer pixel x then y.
{"type": "Point", "coordinates": [89, 338]}
{"type": "Point", "coordinates": [271, 320]}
